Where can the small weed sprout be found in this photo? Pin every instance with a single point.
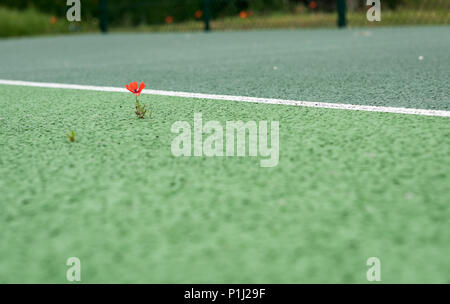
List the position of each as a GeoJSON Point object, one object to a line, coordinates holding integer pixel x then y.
{"type": "Point", "coordinates": [71, 136]}
{"type": "Point", "coordinates": [140, 109]}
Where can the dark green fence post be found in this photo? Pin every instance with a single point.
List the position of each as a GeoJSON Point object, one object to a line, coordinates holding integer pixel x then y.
{"type": "Point", "coordinates": [342, 13]}
{"type": "Point", "coordinates": [103, 6]}
{"type": "Point", "coordinates": [207, 14]}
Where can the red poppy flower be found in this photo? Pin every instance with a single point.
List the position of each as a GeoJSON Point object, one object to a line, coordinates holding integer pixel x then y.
{"type": "Point", "coordinates": [133, 88]}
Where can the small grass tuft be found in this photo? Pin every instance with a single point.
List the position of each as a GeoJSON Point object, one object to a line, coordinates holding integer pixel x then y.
{"type": "Point", "coordinates": [71, 136]}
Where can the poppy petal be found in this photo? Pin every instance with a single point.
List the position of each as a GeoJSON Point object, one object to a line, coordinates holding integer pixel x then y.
{"type": "Point", "coordinates": [134, 85]}
{"type": "Point", "coordinates": [141, 86]}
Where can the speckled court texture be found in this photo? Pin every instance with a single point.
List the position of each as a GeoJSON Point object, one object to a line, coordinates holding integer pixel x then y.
{"type": "Point", "coordinates": [349, 184]}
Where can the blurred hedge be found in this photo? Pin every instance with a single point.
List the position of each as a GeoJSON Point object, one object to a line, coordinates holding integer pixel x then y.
{"type": "Point", "coordinates": [127, 12]}
{"type": "Point", "coordinates": [29, 22]}
{"type": "Point", "coordinates": [140, 12]}
{"type": "Point", "coordinates": [135, 12]}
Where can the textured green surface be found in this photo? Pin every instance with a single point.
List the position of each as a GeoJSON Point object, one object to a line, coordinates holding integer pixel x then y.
{"type": "Point", "coordinates": [349, 185]}
{"type": "Point", "coordinates": [359, 66]}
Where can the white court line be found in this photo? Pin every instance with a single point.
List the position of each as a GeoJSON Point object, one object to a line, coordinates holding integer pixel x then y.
{"type": "Point", "coordinates": [311, 104]}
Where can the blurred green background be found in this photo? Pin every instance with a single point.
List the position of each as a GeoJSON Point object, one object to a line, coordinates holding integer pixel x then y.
{"type": "Point", "coordinates": [30, 17]}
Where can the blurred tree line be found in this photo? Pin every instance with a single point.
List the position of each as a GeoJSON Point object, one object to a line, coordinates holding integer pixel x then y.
{"type": "Point", "coordinates": [126, 12]}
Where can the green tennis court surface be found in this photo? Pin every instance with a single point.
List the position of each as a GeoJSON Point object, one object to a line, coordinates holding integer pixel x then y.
{"type": "Point", "coordinates": [362, 66]}
{"type": "Point", "coordinates": [349, 185]}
